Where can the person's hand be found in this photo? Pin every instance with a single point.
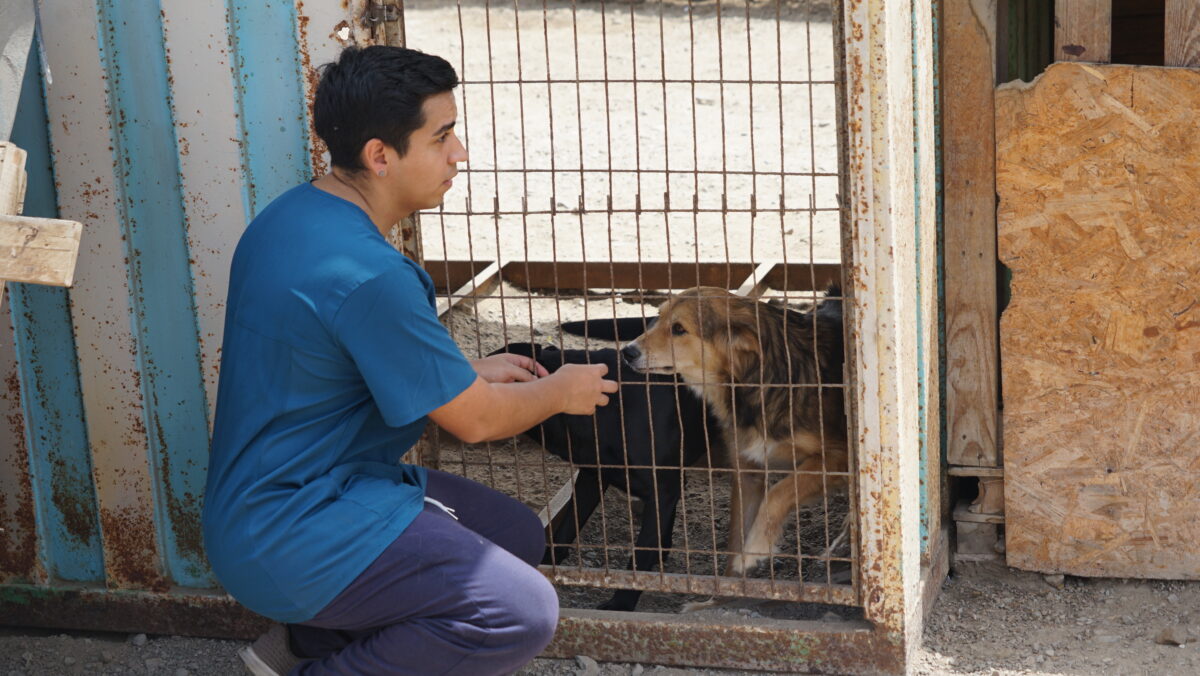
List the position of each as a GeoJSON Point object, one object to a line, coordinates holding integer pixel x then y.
{"type": "Point", "coordinates": [508, 368]}
{"type": "Point", "coordinates": [584, 387]}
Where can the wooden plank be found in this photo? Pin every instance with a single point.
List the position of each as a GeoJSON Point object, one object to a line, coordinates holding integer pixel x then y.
{"type": "Point", "coordinates": [572, 276]}
{"type": "Point", "coordinates": [1183, 33]}
{"type": "Point", "coordinates": [756, 283]}
{"type": "Point", "coordinates": [480, 284]}
{"type": "Point", "coordinates": [970, 232]}
{"type": "Point", "coordinates": [962, 512]}
{"type": "Point", "coordinates": [1099, 181]}
{"type": "Point", "coordinates": [552, 513]}
{"type": "Point", "coordinates": [976, 471]}
{"type": "Point", "coordinates": [38, 250]}
{"type": "Point", "coordinates": [1083, 30]}
{"type": "Point", "coordinates": [12, 179]}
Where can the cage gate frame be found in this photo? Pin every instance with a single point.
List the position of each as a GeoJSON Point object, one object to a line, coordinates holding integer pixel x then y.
{"type": "Point", "coordinates": [889, 239]}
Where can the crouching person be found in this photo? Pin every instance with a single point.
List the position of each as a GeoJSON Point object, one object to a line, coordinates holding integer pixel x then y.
{"type": "Point", "coordinates": [333, 361]}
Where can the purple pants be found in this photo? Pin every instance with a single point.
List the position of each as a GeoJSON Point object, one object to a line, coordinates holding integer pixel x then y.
{"type": "Point", "coordinates": [447, 597]}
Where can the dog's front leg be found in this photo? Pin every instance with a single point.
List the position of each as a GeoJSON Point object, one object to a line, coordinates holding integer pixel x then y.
{"type": "Point", "coordinates": [781, 502]}
{"type": "Point", "coordinates": [746, 487]}
{"type": "Point", "coordinates": [585, 496]}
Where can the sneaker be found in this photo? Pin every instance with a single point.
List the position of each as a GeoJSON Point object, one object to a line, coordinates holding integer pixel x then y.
{"type": "Point", "coordinates": [270, 655]}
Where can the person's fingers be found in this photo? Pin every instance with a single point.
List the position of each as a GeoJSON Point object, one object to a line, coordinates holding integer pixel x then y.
{"type": "Point", "coordinates": [540, 370]}
{"type": "Point", "coordinates": [514, 373]}
{"type": "Point", "coordinates": [601, 368]}
{"type": "Point", "coordinates": [609, 386]}
{"type": "Point", "coordinates": [603, 401]}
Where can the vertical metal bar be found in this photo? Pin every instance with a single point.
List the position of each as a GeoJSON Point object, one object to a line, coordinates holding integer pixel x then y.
{"type": "Point", "coordinates": [196, 38]}
{"type": "Point", "coordinates": [878, 71]}
{"type": "Point", "coordinates": [54, 514]}
{"type": "Point", "coordinates": [160, 281]}
{"type": "Point", "coordinates": [269, 95]}
{"type": "Point", "coordinates": [82, 139]}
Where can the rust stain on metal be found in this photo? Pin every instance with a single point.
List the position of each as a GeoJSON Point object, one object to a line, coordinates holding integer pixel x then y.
{"type": "Point", "coordinates": [71, 494]}
{"type": "Point", "coordinates": [130, 548]}
{"type": "Point", "coordinates": [210, 615]}
{"type": "Point", "coordinates": [182, 510]}
{"type": "Point", "coordinates": [18, 540]}
{"type": "Point", "coordinates": [311, 77]}
{"type": "Point", "coordinates": [746, 643]}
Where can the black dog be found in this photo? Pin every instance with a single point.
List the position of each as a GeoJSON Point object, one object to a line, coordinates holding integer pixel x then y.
{"type": "Point", "coordinates": [651, 422]}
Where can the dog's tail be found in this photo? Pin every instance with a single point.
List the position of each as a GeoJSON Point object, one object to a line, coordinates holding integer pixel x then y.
{"type": "Point", "coordinates": [616, 328]}
{"type": "Point", "coordinates": [831, 305]}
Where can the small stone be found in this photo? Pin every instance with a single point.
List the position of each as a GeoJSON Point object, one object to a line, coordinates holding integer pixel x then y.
{"type": "Point", "coordinates": [139, 640]}
{"type": "Point", "coordinates": [153, 664]}
{"type": "Point", "coordinates": [1177, 635]}
{"type": "Point", "coordinates": [68, 660]}
{"type": "Point", "coordinates": [27, 656]}
{"type": "Point", "coordinates": [1106, 638]}
{"type": "Point", "coordinates": [1057, 581]}
{"type": "Point", "coordinates": [1173, 598]}
{"type": "Point", "coordinates": [182, 672]}
{"type": "Point", "coordinates": [587, 666]}
{"type": "Point", "coordinates": [1049, 652]}
{"type": "Point", "coordinates": [108, 656]}
{"type": "Point", "coordinates": [636, 670]}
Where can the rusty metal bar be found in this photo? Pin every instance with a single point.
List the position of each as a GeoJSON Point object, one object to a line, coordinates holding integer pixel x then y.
{"type": "Point", "coordinates": [680, 583]}
{"type": "Point", "coordinates": [847, 647]}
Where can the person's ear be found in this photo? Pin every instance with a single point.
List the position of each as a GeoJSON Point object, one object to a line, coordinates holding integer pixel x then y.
{"type": "Point", "coordinates": [374, 157]}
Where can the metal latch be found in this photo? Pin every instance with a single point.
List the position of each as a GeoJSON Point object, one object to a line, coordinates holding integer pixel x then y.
{"type": "Point", "coordinates": [379, 13]}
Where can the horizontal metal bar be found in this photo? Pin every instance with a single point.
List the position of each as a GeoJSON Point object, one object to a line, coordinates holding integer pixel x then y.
{"type": "Point", "coordinates": [847, 647]}
{"type": "Point", "coordinates": [679, 583]}
{"type": "Point", "coordinates": [644, 210]}
{"type": "Point", "coordinates": [641, 170]}
{"type": "Point", "coordinates": [183, 613]}
{"type": "Point", "coordinates": [556, 276]}
{"type": "Point", "coordinates": [648, 80]}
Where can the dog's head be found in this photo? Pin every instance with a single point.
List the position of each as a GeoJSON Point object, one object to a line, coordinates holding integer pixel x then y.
{"type": "Point", "coordinates": [709, 335]}
{"type": "Point", "coordinates": [698, 335]}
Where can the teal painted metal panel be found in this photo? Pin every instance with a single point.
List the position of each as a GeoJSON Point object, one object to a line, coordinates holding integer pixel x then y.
{"type": "Point", "coordinates": [56, 436]}
{"type": "Point", "coordinates": [268, 86]}
{"type": "Point", "coordinates": [164, 317]}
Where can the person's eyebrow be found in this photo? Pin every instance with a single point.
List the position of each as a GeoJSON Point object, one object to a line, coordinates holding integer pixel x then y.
{"type": "Point", "coordinates": [445, 128]}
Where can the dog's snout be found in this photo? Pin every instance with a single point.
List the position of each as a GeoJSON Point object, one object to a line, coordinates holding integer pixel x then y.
{"type": "Point", "coordinates": [630, 353]}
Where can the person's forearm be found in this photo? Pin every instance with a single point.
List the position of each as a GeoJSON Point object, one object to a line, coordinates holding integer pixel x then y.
{"type": "Point", "coordinates": [515, 407]}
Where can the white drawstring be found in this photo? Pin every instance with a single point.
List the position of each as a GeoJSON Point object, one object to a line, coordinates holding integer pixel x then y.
{"type": "Point", "coordinates": [444, 508]}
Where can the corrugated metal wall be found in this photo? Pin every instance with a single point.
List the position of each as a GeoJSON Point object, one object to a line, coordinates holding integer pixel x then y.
{"type": "Point", "coordinates": [163, 127]}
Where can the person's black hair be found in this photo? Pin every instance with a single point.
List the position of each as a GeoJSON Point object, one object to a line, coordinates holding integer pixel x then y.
{"type": "Point", "coordinates": [375, 92]}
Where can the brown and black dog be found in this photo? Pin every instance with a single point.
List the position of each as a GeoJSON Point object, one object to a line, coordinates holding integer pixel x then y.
{"type": "Point", "coordinates": [762, 369]}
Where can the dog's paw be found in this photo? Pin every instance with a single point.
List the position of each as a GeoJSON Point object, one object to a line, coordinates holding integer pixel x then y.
{"type": "Point", "coordinates": [744, 563]}
{"type": "Point", "coordinates": [693, 606]}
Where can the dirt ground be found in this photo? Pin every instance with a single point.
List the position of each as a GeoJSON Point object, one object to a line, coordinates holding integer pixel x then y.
{"type": "Point", "coordinates": [988, 621]}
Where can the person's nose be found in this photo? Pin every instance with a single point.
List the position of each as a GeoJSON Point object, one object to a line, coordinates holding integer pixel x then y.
{"type": "Point", "coordinates": [460, 152]}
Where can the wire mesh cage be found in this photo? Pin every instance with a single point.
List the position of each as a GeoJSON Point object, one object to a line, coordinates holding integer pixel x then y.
{"type": "Point", "coordinates": [622, 153]}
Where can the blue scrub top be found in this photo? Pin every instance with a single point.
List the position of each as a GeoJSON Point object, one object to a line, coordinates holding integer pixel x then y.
{"type": "Point", "coordinates": [332, 358]}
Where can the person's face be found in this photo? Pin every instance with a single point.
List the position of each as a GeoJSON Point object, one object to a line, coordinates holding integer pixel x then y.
{"type": "Point", "coordinates": [422, 177]}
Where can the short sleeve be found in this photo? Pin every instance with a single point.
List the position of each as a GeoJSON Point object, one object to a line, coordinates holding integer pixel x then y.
{"type": "Point", "coordinates": [406, 357]}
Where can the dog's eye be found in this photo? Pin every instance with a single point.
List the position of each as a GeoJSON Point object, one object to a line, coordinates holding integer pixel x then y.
{"type": "Point", "coordinates": [677, 329]}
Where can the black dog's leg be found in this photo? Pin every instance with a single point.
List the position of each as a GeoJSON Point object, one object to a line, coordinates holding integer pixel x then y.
{"type": "Point", "coordinates": [585, 497]}
{"type": "Point", "coordinates": [653, 537]}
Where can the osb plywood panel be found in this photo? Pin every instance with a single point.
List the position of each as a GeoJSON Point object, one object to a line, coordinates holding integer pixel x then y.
{"type": "Point", "coordinates": [1098, 172]}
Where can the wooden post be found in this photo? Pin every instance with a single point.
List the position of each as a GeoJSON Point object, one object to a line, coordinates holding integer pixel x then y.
{"type": "Point", "coordinates": [970, 231]}
{"type": "Point", "coordinates": [32, 250]}
{"type": "Point", "coordinates": [1083, 30]}
{"type": "Point", "coordinates": [1183, 33]}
